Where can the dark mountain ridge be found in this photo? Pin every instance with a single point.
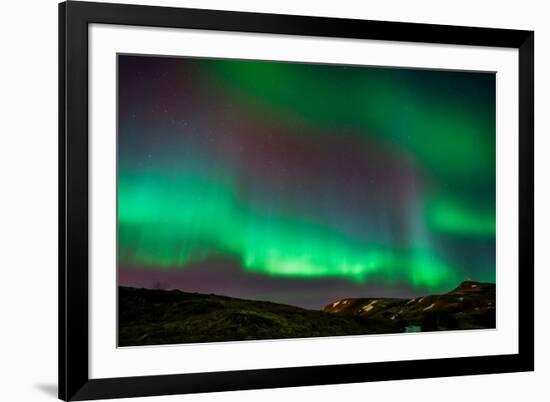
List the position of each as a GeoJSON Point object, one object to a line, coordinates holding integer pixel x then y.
{"type": "Point", "coordinates": [469, 306]}
{"type": "Point", "coordinates": [153, 317]}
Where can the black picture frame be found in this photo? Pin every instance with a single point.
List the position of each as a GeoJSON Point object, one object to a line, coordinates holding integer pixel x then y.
{"type": "Point", "coordinates": [74, 381]}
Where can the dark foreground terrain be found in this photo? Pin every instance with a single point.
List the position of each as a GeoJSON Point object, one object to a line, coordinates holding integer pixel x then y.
{"type": "Point", "coordinates": [153, 317]}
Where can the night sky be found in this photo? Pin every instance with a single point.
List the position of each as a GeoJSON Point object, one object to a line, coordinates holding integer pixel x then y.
{"type": "Point", "coordinates": [303, 183]}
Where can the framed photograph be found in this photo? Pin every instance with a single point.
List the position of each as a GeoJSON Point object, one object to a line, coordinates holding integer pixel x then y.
{"type": "Point", "coordinates": [257, 201]}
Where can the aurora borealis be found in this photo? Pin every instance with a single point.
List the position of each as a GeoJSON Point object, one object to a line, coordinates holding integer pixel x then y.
{"type": "Point", "coordinates": [303, 183]}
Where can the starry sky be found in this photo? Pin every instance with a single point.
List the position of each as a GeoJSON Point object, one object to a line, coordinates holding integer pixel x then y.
{"type": "Point", "coordinates": [303, 183]}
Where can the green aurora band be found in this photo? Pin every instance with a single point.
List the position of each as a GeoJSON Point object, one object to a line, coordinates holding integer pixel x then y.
{"type": "Point", "coordinates": [189, 203]}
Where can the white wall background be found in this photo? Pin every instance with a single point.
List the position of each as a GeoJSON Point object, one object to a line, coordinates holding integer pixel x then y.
{"type": "Point", "coordinates": [28, 199]}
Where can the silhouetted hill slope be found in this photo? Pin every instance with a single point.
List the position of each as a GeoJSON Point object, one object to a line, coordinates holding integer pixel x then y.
{"type": "Point", "coordinates": [150, 317]}
{"type": "Point", "coordinates": [470, 306]}
{"type": "Point", "coordinates": [154, 317]}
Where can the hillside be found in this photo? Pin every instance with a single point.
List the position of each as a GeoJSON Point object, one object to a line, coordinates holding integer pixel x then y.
{"type": "Point", "coordinates": [470, 306]}
{"type": "Point", "coordinates": [153, 317]}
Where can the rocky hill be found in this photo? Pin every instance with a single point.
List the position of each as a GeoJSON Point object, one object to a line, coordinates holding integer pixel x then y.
{"type": "Point", "coordinates": [470, 306]}
{"type": "Point", "coordinates": [153, 317]}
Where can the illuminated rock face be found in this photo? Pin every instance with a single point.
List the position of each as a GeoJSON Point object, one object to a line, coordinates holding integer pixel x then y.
{"type": "Point", "coordinates": [376, 177]}
{"type": "Point", "coordinates": [470, 306]}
